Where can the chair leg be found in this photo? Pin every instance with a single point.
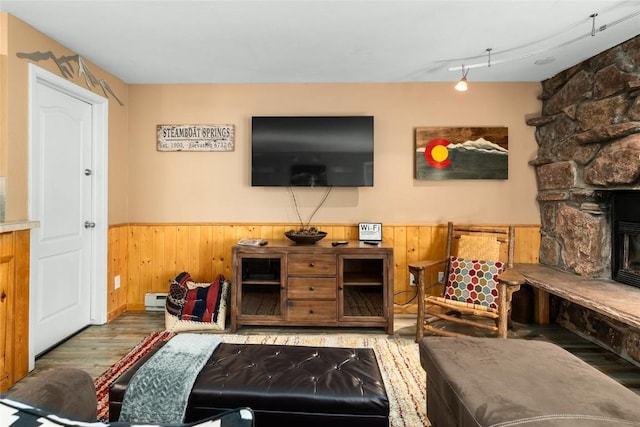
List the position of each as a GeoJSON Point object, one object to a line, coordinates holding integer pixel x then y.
{"type": "Point", "coordinates": [504, 307]}
{"type": "Point", "coordinates": [503, 310]}
{"type": "Point", "coordinates": [421, 308]}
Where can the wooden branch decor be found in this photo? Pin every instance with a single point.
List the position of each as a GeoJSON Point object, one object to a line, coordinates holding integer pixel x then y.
{"type": "Point", "coordinates": [65, 65]}
{"type": "Point", "coordinates": [195, 137]}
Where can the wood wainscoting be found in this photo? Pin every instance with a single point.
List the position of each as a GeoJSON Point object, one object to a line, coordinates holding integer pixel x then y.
{"type": "Point", "coordinates": [14, 307]}
{"type": "Point", "coordinates": [147, 256]}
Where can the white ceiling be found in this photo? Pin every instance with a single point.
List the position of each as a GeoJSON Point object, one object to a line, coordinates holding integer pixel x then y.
{"type": "Point", "coordinates": [300, 41]}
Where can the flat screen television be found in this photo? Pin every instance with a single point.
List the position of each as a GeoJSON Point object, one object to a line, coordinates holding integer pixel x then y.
{"type": "Point", "coordinates": [312, 151]}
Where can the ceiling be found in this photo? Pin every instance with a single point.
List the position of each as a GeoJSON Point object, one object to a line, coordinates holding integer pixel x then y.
{"type": "Point", "coordinates": [308, 41]}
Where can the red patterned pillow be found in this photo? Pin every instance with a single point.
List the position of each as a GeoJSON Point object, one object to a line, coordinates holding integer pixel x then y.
{"type": "Point", "coordinates": [177, 293]}
{"type": "Point", "coordinates": [473, 281]}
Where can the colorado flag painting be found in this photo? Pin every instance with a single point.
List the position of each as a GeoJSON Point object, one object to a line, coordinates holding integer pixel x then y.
{"type": "Point", "coordinates": [462, 153]}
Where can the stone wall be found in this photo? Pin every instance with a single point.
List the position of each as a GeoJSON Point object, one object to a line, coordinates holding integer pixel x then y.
{"type": "Point", "coordinates": [588, 143]}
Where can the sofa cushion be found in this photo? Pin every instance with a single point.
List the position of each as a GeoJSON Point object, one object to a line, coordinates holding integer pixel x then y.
{"type": "Point", "coordinates": [69, 392]}
{"type": "Point", "coordinates": [519, 382]}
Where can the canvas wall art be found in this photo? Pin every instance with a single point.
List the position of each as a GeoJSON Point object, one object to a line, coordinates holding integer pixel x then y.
{"type": "Point", "coordinates": [461, 153]}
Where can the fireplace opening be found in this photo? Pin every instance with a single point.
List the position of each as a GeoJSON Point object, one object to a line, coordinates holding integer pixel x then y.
{"type": "Point", "coordinates": [625, 238]}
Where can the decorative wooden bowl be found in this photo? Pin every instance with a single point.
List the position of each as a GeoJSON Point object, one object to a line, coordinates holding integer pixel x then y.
{"type": "Point", "coordinates": [305, 238]}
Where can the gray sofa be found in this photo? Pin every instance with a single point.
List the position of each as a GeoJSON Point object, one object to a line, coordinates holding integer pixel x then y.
{"type": "Point", "coordinates": [508, 382]}
{"type": "Point", "coordinates": [67, 392]}
{"type": "Point", "coordinates": [67, 397]}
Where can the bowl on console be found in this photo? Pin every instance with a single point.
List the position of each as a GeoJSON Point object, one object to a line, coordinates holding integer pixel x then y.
{"type": "Point", "coordinates": [305, 237]}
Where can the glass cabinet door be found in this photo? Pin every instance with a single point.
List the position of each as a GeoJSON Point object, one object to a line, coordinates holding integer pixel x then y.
{"type": "Point", "coordinates": [361, 288]}
{"type": "Point", "coordinates": [261, 289]}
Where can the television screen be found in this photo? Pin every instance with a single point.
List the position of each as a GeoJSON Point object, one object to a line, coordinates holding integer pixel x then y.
{"type": "Point", "coordinates": [313, 151]}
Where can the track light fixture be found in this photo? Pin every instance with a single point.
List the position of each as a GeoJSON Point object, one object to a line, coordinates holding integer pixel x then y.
{"type": "Point", "coordinates": [462, 83]}
{"type": "Point", "coordinates": [593, 31]}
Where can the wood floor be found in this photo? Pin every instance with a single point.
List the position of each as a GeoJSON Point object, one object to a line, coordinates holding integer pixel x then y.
{"type": "Point", "coordinates": [96, 348]}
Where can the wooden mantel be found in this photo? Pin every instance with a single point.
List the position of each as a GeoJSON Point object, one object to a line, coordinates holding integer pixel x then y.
{"type": "Point", "coordinates": [607, 297]}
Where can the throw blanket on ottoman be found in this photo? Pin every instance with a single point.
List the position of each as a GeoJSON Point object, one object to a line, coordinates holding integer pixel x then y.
{"type": "Point", "coordinates": [196, 306]}
{"type": "Point", "coordinates": [284, 385]}
{"type": "Point", "coordinates": [159, 390]}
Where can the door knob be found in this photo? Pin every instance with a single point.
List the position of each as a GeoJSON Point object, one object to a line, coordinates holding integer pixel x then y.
{"type": "Point", "coordinates": [88, 172]}
{"type": "Point", "coordinates": [89, 224]}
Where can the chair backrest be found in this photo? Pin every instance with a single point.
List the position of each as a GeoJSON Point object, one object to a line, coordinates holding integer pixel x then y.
{"type": "Point", "coordinates": [479, 242]}
{"type": "Point", "coordinates": [490, 249]}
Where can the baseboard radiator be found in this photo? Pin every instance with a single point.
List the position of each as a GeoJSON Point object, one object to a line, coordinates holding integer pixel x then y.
{"type": "Point", "coordinates": [155, 301]}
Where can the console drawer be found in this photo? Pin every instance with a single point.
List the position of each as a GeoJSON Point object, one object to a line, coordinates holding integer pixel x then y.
{"type": "Point", "coordinates": [309, 310]}
{"type": "Point", "coordinates": [312, 288]}
{"type": "Point", "coordinates": [311, 264]}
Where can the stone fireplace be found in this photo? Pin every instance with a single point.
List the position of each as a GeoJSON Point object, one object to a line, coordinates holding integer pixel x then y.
{"type": "Point", "coordinates": [588, 148]}
{"type": "Point", "coordinates": [588, 144]}
{"type": "Point", "coordinates": [625, 237]}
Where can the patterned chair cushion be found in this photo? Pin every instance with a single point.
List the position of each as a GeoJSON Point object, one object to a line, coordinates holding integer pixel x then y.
{"type": "Point", "coordinates": [473, 281]}
{"type": "Point", "coordinates": [13, 413]}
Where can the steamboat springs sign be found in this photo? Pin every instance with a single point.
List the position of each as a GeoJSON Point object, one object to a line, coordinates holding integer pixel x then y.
{"type": "Point", "coordinates": [195, 137]}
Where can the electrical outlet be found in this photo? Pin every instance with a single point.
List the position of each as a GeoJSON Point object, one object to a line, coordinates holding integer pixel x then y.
{"type": "Point", "coordinates": [440, 276]}
{"type": "Point", "coordinates": [116, 282]}
{"type": "Point", "coordinates": [412, 279]}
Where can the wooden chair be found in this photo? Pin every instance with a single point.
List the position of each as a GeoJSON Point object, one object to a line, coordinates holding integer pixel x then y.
{"type": "Point", "coordinates": [476, 286]}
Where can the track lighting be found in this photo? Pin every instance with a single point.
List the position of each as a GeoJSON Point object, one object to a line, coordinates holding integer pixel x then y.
{"type": "Point", "coordinates": [593, 24]}
{"type": "Point", "coordinates": [593, 31]}
{"type": "Point", "coordinates": [462, 83]}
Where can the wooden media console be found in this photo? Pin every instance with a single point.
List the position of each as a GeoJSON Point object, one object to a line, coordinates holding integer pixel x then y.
{"type": "Point", "coordinates": [287, 284]}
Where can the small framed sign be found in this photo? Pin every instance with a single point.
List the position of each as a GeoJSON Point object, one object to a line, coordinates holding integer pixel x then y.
{"type": "Point", "coordinates": [370, 231]}
{"type": "Point", "coordinates": [195, 137]}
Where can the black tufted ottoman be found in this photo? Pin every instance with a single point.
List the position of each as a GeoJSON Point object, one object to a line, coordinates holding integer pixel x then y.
{"type": "Point", "coordinates": [284, 385]}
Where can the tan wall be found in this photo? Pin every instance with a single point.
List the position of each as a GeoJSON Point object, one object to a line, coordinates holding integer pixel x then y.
{"type": "Point", "coordinates": [202, 187]}
{"type": "Point", "coordinates": [16, 37]}
{"type": "Point", "coordinates": [149, 186]}
{"type": "Point", "coordinates": [209, 193]}
{"type": "Point", "coordinates": [4, 85]}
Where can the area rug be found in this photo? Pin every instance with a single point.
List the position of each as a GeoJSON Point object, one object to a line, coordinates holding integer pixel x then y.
{"type": "Point", "coordinates": [399, 361]}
